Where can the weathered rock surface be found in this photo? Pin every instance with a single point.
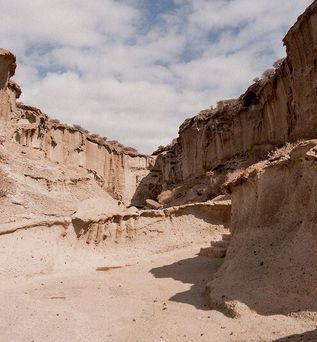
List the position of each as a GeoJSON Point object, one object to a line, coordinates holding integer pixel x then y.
{"type": "Point", "coordinates": [278, 109]}
{"type": "Point", "coordinates": [151, 204]}
{"type": "Point", "coordinates": [64, 196]}
{"type": "Point", "coordinates": [176, 225]}
{"type": "Point", "coordinates": [269, 266]}
{"type": "Point", "coordinates": [117, 170]}
{"type": "Point", "coordinates": [42, 244]}
{"type": "Point", "coordinates": [7, 69]}
{"type": "Point", "coordinates": [217, 249]}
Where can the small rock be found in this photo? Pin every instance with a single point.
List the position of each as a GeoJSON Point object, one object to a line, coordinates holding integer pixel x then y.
{"type": "Point", "coordinates": [151, 204]}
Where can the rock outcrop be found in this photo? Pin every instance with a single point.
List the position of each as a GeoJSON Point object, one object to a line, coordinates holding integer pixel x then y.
{"type": "Point", "coordinates": [174, 226]}
{"type": "Point", "coordinates": [116, 169]}
{"type": "Point", "coordinates": [44, 160]}
{"type": "Point", "coordinates": [269, 266]}
{"type": "Point", "coordinates": [7, 88]}
{"type": "Point", "coordinates": [260, 150]}
{"type": "Point", "coordinates": [279, 108]}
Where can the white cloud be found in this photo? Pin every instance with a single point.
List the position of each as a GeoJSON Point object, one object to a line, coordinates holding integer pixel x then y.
{"type": "Point", "coordinates": [107, 65]}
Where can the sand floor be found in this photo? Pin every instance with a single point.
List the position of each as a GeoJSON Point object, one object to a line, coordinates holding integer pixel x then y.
{"type": "Point", "coordinates": [159, 299]}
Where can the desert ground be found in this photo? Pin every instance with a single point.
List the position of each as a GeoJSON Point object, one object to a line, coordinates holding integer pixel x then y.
{"type": "Point", "coordinates": [157, 298]}
{"type": "Point", "coordinates": [210, 238]}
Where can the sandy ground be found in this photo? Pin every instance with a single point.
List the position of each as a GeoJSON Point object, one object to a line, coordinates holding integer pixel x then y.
{"type": "Point", "coordinates": [160, 299]}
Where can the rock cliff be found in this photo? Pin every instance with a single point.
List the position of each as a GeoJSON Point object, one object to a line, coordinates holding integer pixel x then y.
{"type": "Point", "coordinates": [117, 171]}
{"type": "Point", "coordinates": [269, 265]}
{"type": "Point", "coordinates": [115, 168]}
{"type": "Point", "coordinates": [7, 69]}
{"type": "Point", "coordinates": [279, 108]}
{"type": "Point", "coordinates": [65, 212]}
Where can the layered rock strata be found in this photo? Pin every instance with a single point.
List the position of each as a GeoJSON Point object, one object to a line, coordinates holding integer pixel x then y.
{"type": "Point", "coordinates": [95, 239]}
{"type": "Point", "coordinates": [7, 96]}
{"type": "Point", "coordinates": [117, 170]}
{"type": "Point", "coordinates": [177, 224]}
{"type": "Point", "coordinates": [269, 267]}
{"type": "Point", "coordinates": [278, 108]}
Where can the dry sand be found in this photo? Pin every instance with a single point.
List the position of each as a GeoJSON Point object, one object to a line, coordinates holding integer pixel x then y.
{"type": "Point", "coordinates": [97, 271]}
{"type": "Point", "coordinates": [159, 299]}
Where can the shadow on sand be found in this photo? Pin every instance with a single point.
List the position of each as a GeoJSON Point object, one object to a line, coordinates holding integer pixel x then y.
{"type": "Point", "coordinates": [197, 271]}
{"type": "Point", "coordinates": [307, 336]}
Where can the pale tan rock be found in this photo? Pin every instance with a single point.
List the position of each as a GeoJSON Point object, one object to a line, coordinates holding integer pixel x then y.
{"type": "Point", "coordinates": [142, 226]}
{"type": "Point", "coordinates": [62, 218]}
{"type": "Point", "coordinates": [7, 69]}
{"type": "Point", "coordinates": [272, 246]}
{"type": "Point", "coordinates": [270, 113]}
{"type": "Point", "coordinates": [165, 197]}
{"type": "Point", "coordinates": [151, 204]}
{"type": "Point", "coordinates": [93, 207]}
{"type": "Point", "coordinates": [115, 168]}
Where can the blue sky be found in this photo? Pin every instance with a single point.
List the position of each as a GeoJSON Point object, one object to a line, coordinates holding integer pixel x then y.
{"type": "Point", "coordinates": [133, 70]}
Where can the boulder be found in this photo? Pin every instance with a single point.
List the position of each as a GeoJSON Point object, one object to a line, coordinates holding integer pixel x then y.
{"type": "Point", "coordinates": [151, 204]}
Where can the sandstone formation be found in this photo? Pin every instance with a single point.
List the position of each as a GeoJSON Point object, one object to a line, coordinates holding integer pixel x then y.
{"type": "Point", "coordinates": [174, 224]}
{"type": "Point", "coordinates": [7, 69]}
{"type": "Point", "coordinates": [116, 169]}
{"type": "Point", "coordinates": [275, 222]}
{"type": "Point", "coordinates": [277, 109]}
{"type": "Point", "coordinates": [230, 204]}
{"type": "Point", "coordinates": [43, 160]}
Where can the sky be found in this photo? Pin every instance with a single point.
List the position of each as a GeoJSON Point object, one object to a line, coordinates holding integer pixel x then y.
{"type": "Point", "coordinates": [133, 70]}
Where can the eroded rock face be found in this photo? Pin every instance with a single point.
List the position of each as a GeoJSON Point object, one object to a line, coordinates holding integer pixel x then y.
{"type": "Point", "coordinates": [268, 239]}
{"type": "Point", "coordinates": [116, 170]}
{"type": "Point", "coordinates": [274, 110]}
{"type": "Point", "coordinates": [269, 266]}
{"type": "Point", "coordinates": [169, 227]}
{"type": "Point", "coordinates": [7, 69]}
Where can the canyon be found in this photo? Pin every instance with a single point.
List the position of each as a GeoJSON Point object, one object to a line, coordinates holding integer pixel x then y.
{"type": "Point", "coordinates": [210, 238]}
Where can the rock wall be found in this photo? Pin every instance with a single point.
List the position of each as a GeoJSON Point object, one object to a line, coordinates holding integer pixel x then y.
{"type": "Point", "coordinates": [269, 266]}
{"type": "Point", "coordinates": [7, 69]}
{"type": "Point", "coordinates": [116, 170]}
{"type": "Point", "coordinates": [176, 225]}
{"type": "Point", "coordinates": [66, 243]}
{"type": "Point", "coordinates": [280, 107]}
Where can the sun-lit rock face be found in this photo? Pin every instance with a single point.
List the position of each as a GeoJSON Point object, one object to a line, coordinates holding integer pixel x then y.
{"type": "Point", "coordinates": [269, 265]}
{"type": "Point", "coordinates": [7, 69]}
{"type": "Point", "coordinates": [278, 108]}
{"type": "Point", "coordinates": [116, 169]}
{"type": "Point", "coordinates": [62, 216]}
